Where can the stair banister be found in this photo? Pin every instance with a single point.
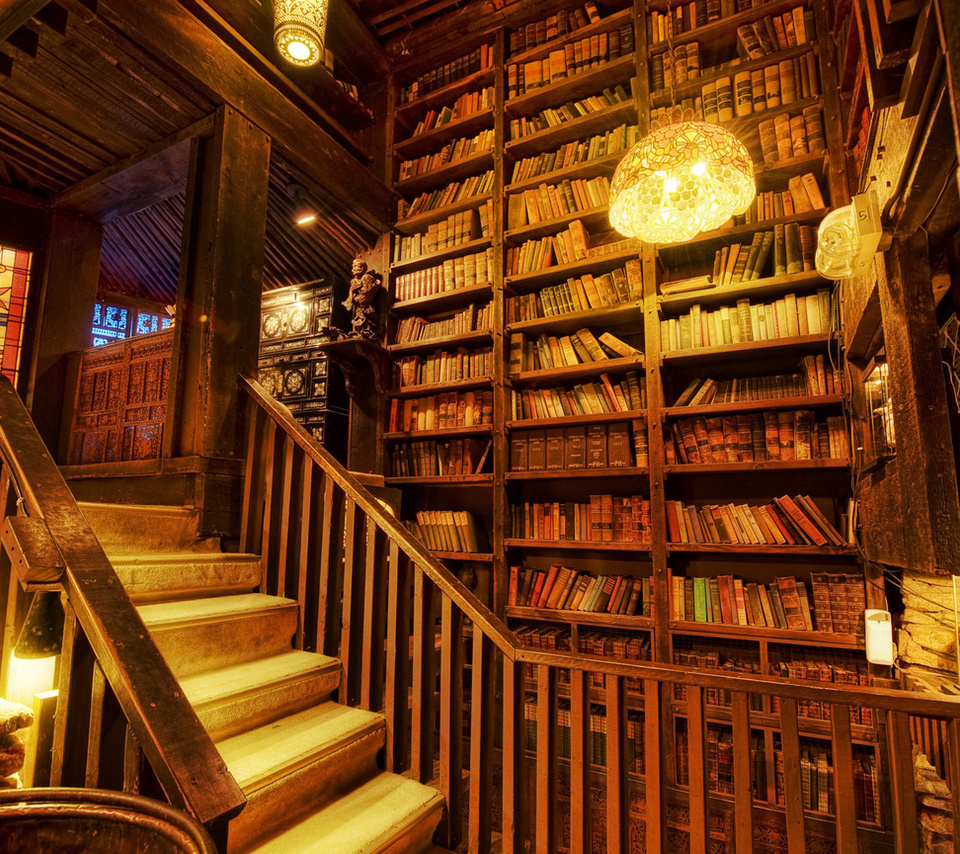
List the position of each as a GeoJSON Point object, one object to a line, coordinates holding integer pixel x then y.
{"type": "Point", "coordinates": [178, 748]}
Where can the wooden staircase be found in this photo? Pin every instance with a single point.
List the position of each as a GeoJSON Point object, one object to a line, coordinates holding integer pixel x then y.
{"type": "Point", "coordinates": [306, 764]}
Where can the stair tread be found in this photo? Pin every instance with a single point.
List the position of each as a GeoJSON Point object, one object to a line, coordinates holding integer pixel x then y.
{"type": "Point", "coordinates": [217, 607]}
{"type": "Point", "coordinates": [268, 752]}
{"type": "Point", "coordinates": [179, 558]}
{"type": "Point", "coordinates": [363, 821]}
{"type": "Point", "coordinates": [253, 676]}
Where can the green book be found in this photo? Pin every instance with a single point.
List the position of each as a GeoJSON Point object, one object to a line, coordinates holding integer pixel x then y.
{"type": "Point", "coordinates": [700, 600]}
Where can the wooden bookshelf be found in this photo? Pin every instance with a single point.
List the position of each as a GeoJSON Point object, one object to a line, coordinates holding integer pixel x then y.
{"type": "Point", "coordinates": [468, 339]}
{"type": "Point", "coordinates": [605, 165]}
{"type": "Point", "coordinates": [750, 349]}
{"type": "Point", "coordinates": [443, 301]}
{"type": "Point", "coordinates": [524, 282]}
{"type": "Point", "coordinates": [591, 216]}
{"type": "Point", "coordinates": [796, 638]}
{"type": "Point", "coordinates": [454, 171]}
{"type": "Point", "coordinates": [460, 480]}
{"type": "Point", "coordinates": [576, 545]}
{"type": "Point", "coordinates": [442, 433]}
{"type": "Point", "coordinates": [445, 95]}
{"type": "Point", "coordinates": [579, 474]}
{"type": "Point", "coordinates": [586, 83]}
{"type": "Point", "coordinates": [580, 618]}
{"type": "Point", "coordinates": [763, 466]}
{"type": "Point", "coordinates": [427, 389]}
{"type": "Point", "coordinates": [820, 401]}
{"type": "Point", "coordinates": [437, 137]}
{"type": "Point", "coordinates": [431, 259]}
{"type": "Point", "coordinates": [589, 125]}
{"type": "Point", "coordinates": [755, 289]}
{"type": "Point", "coordinates": [572, 373]}
{"type": "Point", "coordinates": [575, 420]}
{"type": "Point", "coordinates": [609, 22]}
{"type": "Point", "coordinates": [420, 221]}
{"type": "Point", "coordinates": [772, 551]}
{"type": "Point", "coordinates": [611, 315]}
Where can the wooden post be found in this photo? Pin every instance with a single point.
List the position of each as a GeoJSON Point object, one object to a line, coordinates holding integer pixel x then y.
{"type": "Point", "coordinates": [218, 298]}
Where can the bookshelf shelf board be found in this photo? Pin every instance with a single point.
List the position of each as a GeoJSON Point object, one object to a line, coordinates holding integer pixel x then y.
{"type": "Point", "coordinates": [442, 480]}
{"type": "Point", "coordinates": [436, 137]}
{"type": "Point", "coordinates": [575, 420]}
{"type": "Point", "coordinates": [542, 50]}
{"type": "Point", "coordinates": [820, 401]}
{"type": "Point", "coordinates": [582, 85]}
{"type": "Point", "coordinates": [598, 264]}
{"type": "Point", "coordinates": [440, 433]}
{"type": "Point", "coordinates": [608, 316]}
{"type": "Point", "coordinates": [453, 171]}
{"type": "Point", "coordinates": [419, 221]}
{"type": "Point", "coordinates": [590, 618]}
{"type": "Point", "coordinates": [723, 30]}
{"type": "Point", "coordinates": [749, 349]}
{"type": "Point", "coordinates": [667, 97]}
{"type": "Point", "coordinates": [709, 241]}
{"type": "Point", "coordinates": [830, 639]}
{"type": "Point", "coordinates": [444, 300]}
{"type": "Point", "coordinates": [432, 258]}
{"type": "Point", "coordinates": [774, 176]}
{"type": "Point", "coordinates": [467, 339]}
{"type": "Point", "coordinates": [573, 372]}
{"type": "Point", "coordinates": [426, 389]}
{"type": "Point", "coordinates": [763, 466]}
{"type": "Point", "coordinates": [575, 545]}
{"type": "Point", "coordinates": [444, 95]}
{"type": "Point", "coordinates": [584, 169]}
{"type": "Point", "coordinates": [551, 137]}
{"type": "Point", "coordinates": [726, 548]}
{"type": "Point", "coordinates": [591, 216]}
{"type": "Point", "coordinates": [578, 474]}
{"type": "Point", "coordinates": [772, 286]}
{"type": "Point", "coordinates": [477, 556]}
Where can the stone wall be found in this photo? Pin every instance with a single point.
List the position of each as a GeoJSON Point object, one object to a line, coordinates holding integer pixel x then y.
{"type": "Point", "coordinates": [927, 638]}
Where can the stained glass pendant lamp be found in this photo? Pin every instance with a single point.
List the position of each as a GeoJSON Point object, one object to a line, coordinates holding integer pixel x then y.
{"type": "Point", "coordinates": [298, 30]}
{"type": "Point", "coordinates": [680, 180]}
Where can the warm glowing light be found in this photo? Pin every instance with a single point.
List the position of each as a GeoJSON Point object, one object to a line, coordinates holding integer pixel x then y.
{"type": "Point", "coordinates": [681, 180]}
{"type": "Point", "coordinates": [306, 219]}
{"type": "Point", "coordinates": [298, 30]}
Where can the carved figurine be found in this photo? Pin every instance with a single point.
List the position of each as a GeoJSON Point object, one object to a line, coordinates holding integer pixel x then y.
{"type": "Point", "coordinates": [361, 301]}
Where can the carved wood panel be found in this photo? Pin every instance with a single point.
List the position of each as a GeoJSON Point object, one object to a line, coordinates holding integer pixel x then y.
{"type": "Point", "coordinates": [121, 401]}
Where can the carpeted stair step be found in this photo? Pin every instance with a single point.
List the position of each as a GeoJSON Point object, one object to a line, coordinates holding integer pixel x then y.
{"type": "Point", "coordinates": [139, 528]}
{"type": "Point", "coordinates": [186, 575]}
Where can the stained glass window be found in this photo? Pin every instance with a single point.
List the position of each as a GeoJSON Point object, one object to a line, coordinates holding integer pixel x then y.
{"type": "Point", "coordinates": [14, 284]}
{"type": "Point", "coordinates": [114, 323]}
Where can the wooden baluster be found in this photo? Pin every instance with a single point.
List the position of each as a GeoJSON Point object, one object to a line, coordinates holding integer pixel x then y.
{"type": "Point", "coordinates": [579, 763]}
{"type": "Point", "coordinates": [699, 778]}
{"type": "Point", "coordinates": [349, 617]}
{"type": "Point", "coordinates": [71, 722]}
{"type": "Point", "coordinates": [482, 711]}
{"type": "Point", "coordinates": [374, 618]}
{"type": "Point", "coordinates": [653, 766]}
{"type": "Point", "coordinates": [546, 780]}
{"type": "Point", "coordinates": [902, 790]}
{"type": "Point", "coordinates": [267, 546]}
{"type": "Point", "coordinates": [742, 778]}
{"type": "Point", "coordinates": [792, 779]}
{"type": "Point", "coordinates": [132, 758]}
{"type": "Point", "coordinates": [618, 795]}
{"type": "Point", "coordinates": [451, 720]}
{"type": "Point", "coordinates": [304, 564]}
{"type": "Point", "coordinates": [285, 524]}
{"type": "Point", "coordinates": [98, 691]}
{"type": "Point", "coordinates": [330, 543]}
{"type": "Point", "coordinates": [514, 757]}
{"type": "Point", "coordinates": [953, 772]}
{"type": "Point", "coordinates": [843, 787]}
{"type": "Point", "coordinates": [421, 748]}
{"type": "Point", "coordinates": [251, 522]}
{"type": "Point", "coordinates": [396, 706]}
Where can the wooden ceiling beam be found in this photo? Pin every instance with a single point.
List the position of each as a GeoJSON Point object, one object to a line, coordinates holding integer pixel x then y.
{"type": "Point", "coordinates": [15, 13]}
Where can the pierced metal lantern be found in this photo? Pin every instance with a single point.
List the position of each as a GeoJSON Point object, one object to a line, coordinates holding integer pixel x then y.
{"type": "Point", "coordinates": [298, 30]}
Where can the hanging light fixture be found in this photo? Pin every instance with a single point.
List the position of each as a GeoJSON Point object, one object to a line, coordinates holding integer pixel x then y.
{"type": "Point", "coordinates": [298, 29]}
{"type": "Point", "coordinates": [304, 211]}
{"type": "Point", "coordinates": [680, 180]}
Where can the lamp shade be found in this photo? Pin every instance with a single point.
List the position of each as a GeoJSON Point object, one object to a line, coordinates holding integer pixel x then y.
{"type": "Point", "coordinates": [298, 29]}
{"type": "Point", "coordinates": [680, 180]}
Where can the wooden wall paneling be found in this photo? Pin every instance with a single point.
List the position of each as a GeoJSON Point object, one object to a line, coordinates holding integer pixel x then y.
{"type": "Point", "coordinates": [883, 90]}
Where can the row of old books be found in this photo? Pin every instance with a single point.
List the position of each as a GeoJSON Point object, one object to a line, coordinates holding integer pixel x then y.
{"type": "Point", "coordinates": [620, 646]}
{"type": "Point", "coordinates": [815, 379]}
{"type": "Point", "coordinates": [569, 112]}
{"type": "Point", "coordinates": [435, 458]}
{"type": "Point", "coordinates": [450, 72]}
{"type": "Point", "coordinates": [675, 67]}
{"type": "Point", "coordinates": [570, 244]}
{"type": "Point", "coordinates": [774, 33]}
{"type": "Point", "coordinates": [454, 193]}
{"type": "Point", "coordinates": [619, 286]}
{"type": "Point", "coordinates": [757, 437]}
{"type": "Point", "coordinates": [455, 230]}
{"type": "Point", "coordinates": [817, 782]}
{"type": "Point", "coordinates": [789, 317]}
{"type": "Point", "coordinates": [785, 521]}
{"type": "Point", "coordinates": [558, 351]}
{"type": "Point", "coordinates": [552, 201]}
{"type": "Point", "coordinates": [557, 25]}
{"type": "Point", "coordinates": [789, 136]}
{"type": "Point", "coordinates": [749, 92]}
{"type": "Point", "coordinates": [823, 669]}
{"type": "Point", "coordinates": [685, 17]}
{"type": "Point", "coordinates": [441, 411]}
{"type": "Point", "coordinates": [464, 271]}
{"type": "Point", "coordinates": [784, 250]}
{"type": "Point", "coordinates": [604, 519]}
{"type": "Point", "coordinates": [593, 446]}
{"type": "Point", "coordinates": [571, 59]}
{"type": "Point", "coordinates": [773, 204]}
{"type": "Point", "coordinates": [444, 366]}
{"type": "Point", "coordinates": [610, 142]}
{"type": "Point", "coordinates": [565, 589]}
{"type": "Point", "coordinates": [467, 104]}
{"type": "Point", "coordinates": [714, 659]}
{"type": "Point", "coordinates": [587, 398]}
{"type": "Point", "coordinates": [449, 530]}
{"type": "Point", "coordinates": [719, 760]}
{"type": "Point", "coordinates": [454, 150]}
{"type": "Point", "coordinates": [473, 318]}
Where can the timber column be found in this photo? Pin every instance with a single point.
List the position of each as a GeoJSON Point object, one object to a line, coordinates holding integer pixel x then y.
{"type": "Point", "coordinates": [218, 295]}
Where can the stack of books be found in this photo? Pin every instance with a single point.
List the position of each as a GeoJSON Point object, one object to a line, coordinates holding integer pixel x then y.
{"type": "Point", "coordinates": [580, 447]}
{"type": "Point", "coordinates": [588, 292]}
{"type": "Point", "coordinates": [605, 519]}
{"type": "Point", "coordinates": [473, 318]}
{"type": "Point", "coordinates": [558, 351]}
{"type": "Point", "coordinates": [457, 191]}
{"type": "Point", "coordinates": [440, 459]}
{"type": "Point", "coordinates": [588, 398]}
{"type": "Point", "coordinates": [444, 366]}
{"type": "Point", "coordinates": [441, 411]}
{"type": "Point", "coordinates": [564, 589]}
{"type": "Point", "coordinates": [449, 531]}
{"type": "Point", "coordinates": [610, 142]}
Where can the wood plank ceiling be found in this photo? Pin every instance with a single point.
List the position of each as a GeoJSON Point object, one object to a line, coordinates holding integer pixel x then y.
{"type": "Point", "coordinates": [77, 95]}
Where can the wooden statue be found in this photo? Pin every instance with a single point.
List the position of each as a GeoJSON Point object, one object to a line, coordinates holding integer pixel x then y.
{"type": "Point", "coordinates": [361, 301]}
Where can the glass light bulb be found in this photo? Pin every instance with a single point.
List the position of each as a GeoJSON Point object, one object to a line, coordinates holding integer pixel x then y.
{"type": "Point", "coordinates": [298, 50]}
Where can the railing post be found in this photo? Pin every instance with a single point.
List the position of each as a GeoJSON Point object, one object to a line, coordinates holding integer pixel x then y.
{"type": "Point", "coordinates": [792, 779]}
{"type": "Point", "coordinates": [742, 782]}
{"type": "Point", "coordinates": [451, 719]}
{"type": "Point", "coordinates": [514, 757]}
{"type": "Point", "coordinates": [396, 706]}
{"type": "Point", "coordinates": [843, 786]}
{"type": "Point", "coordinates": [902, 788]}
{"type": "Point", "coordinates": [374, 614]}
{"type": "Point", "coordinates": [482, 711]}
{"type": "Point", "coordinates": [546, 784]}
{"type": "Point", "coordinates": [579, 763]}
{"type": "Point", "coordinates": [421, 747]}
{"type": "Point", "coordinates": [618, 796]}
{"type": "Point", "coordinates": [697, 753]}
{"type": "Point", "coordinates": [653, 766]}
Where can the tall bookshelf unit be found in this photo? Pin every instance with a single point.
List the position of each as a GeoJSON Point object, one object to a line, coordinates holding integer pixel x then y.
{"type": "Point", "coordinates": [565, 429]}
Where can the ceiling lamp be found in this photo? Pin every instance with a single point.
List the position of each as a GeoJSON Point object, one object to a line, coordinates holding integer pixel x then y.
{"type": "Point", "coordinates": [298, 29]}
{"type": "Point", "coordinates": [680, 180]}
{"type": "Point", "coordinates": [304, 211]}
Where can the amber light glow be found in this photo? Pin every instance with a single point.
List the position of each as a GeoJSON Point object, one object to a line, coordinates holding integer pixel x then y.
{"type": "Point", "coordinates": [298, 29]}
{"type": "Point", "coordinates": [681, 180]}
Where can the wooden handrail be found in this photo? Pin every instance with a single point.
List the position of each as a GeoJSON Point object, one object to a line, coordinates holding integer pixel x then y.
{"type": "Point", "coordinates": [181, 753]}
{"type": "Point", "coordinates": [445, 581]}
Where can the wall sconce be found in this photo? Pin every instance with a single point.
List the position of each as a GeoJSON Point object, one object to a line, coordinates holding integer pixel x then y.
{"type": "Point", "coordinates": [304, 211]}
{"type": "Point", "coordinates": [299, 27]}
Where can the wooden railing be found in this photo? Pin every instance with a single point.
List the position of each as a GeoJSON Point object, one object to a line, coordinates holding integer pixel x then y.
{"type": "Point", "coordinates": [122, 721]}
{"type": "Point", "coordinates": [470, 710]}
